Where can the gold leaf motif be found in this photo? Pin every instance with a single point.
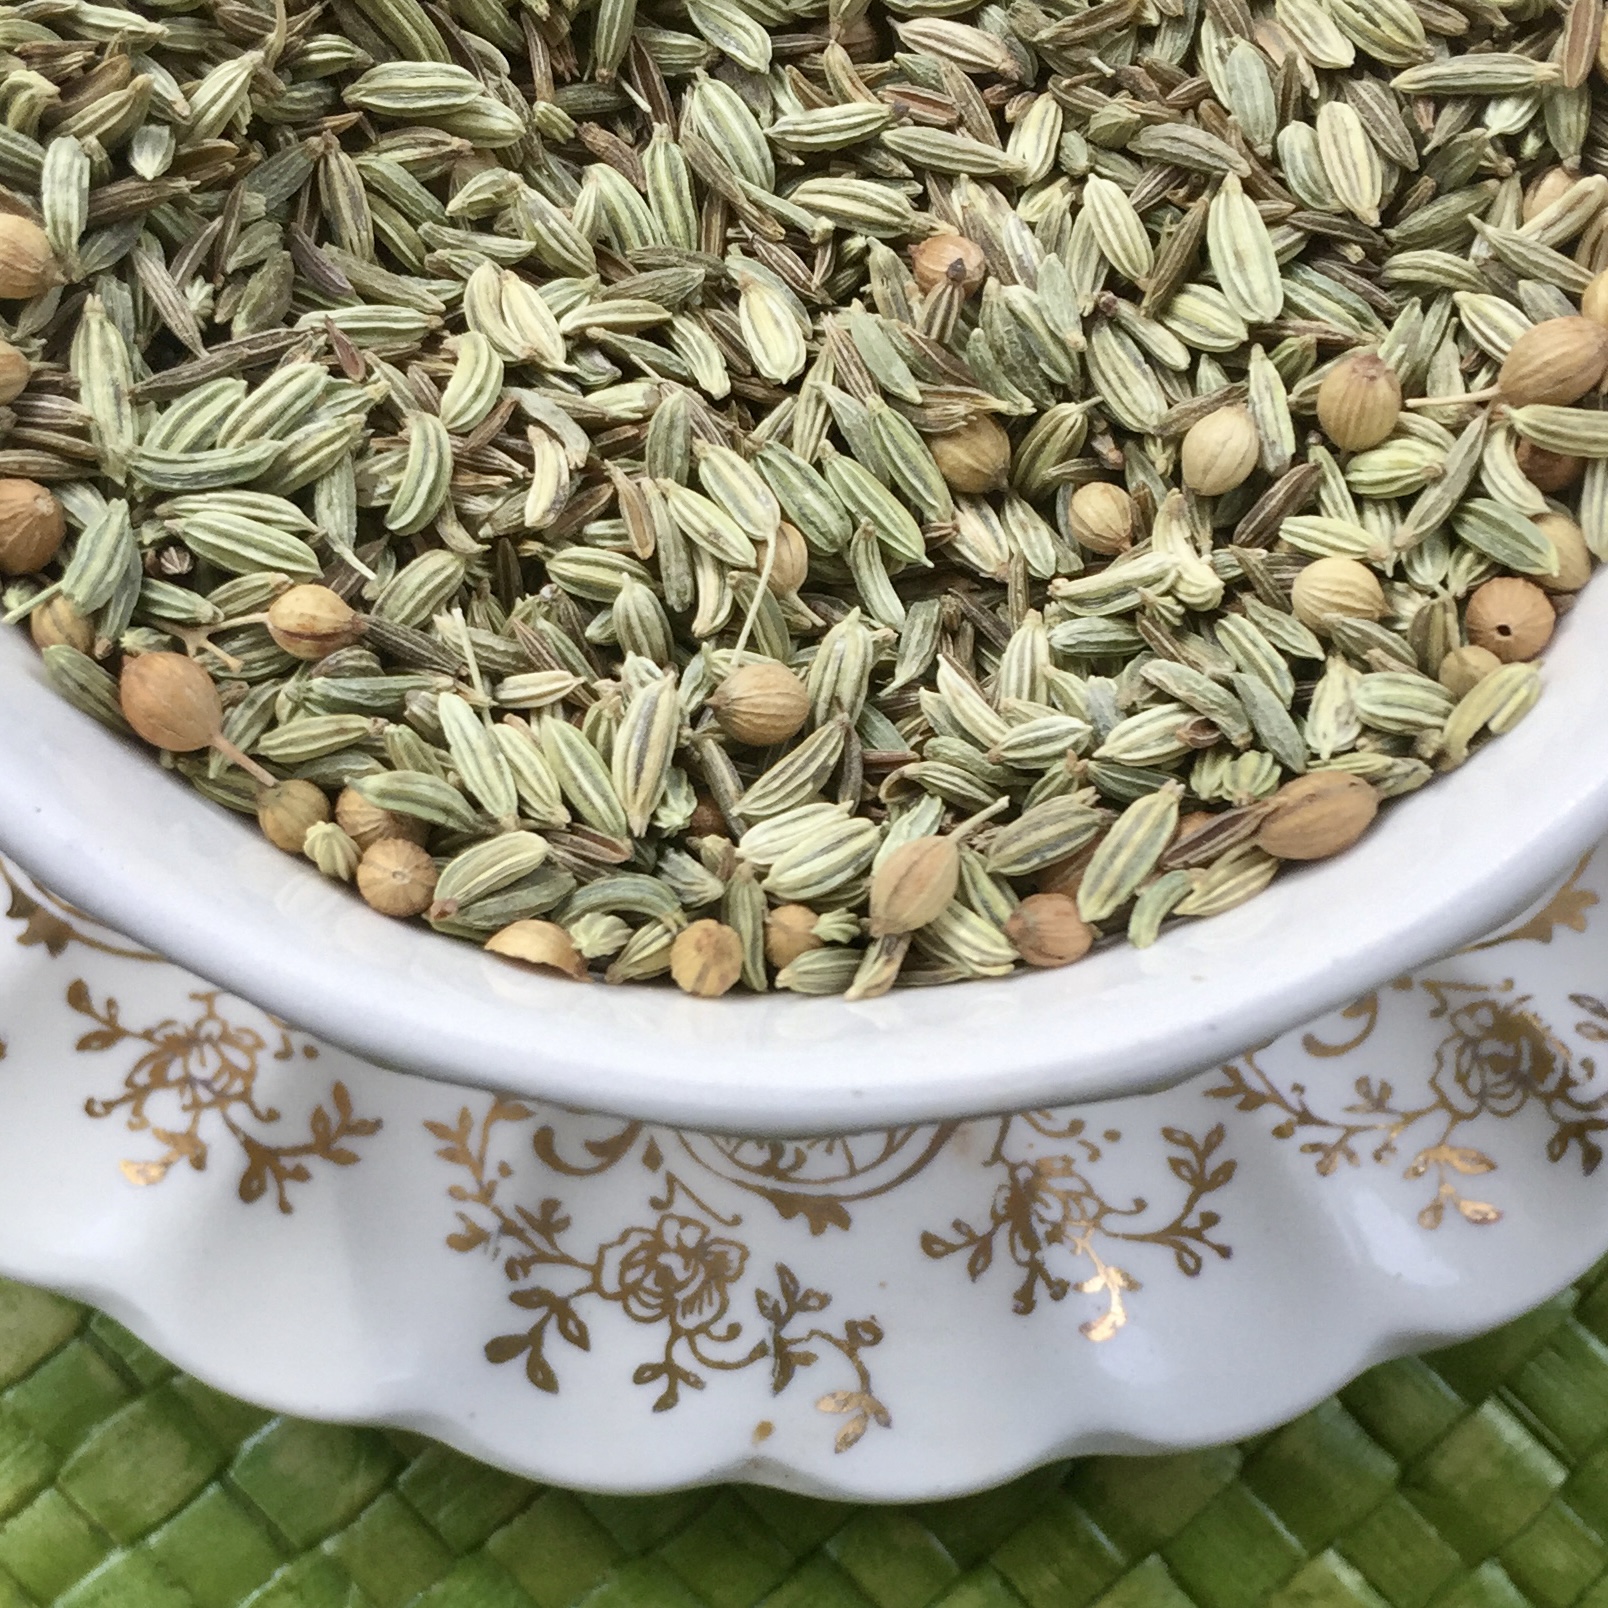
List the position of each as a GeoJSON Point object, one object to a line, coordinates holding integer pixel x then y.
{"type": "Point", "coordinates": [1049, 1204]}
{"type": "Point", "coordinates": [52, 924]}
{"type": "Point", "coordinates": [1497, 1059]}
{"type": "Point", "coordinates": [677, 1275]}
{"type": "Point", "coordinates": [205, 1072]}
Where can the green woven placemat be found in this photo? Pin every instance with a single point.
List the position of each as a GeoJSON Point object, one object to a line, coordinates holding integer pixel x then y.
{"type": "Point", "coordinates": [1474, 1476]}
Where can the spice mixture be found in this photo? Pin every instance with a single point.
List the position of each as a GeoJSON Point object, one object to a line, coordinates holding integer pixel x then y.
{"type": "Point", "coordinates": [793, 493]}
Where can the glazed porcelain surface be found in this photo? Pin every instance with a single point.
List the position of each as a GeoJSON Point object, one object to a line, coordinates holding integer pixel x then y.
{"type": "Point", "coordinates": [909, 1312]}
{"type": "Point", "coordinates": [98, 820]}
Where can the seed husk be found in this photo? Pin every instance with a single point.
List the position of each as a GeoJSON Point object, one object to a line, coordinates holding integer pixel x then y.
{"type": "Point", "coordinates": [543, 945]}
{"type": "Point", "coordinates": [59, 621]}
{"type": "Point", "coordinates": [1101, 516]}
{"type": "Point", "coordinates": [1548, 471]}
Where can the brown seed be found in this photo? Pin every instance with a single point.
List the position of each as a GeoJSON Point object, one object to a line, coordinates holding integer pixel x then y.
{"type": "Point", "coordinates": [1330, 586]}
{"type": "Point", "coordinates": [950, 258]}
{"type": "Point", "coordinates": [32, 527]}
{"type": "Point", "coordinates": [288, 812]}
{"type": "Point", "coordinates": [789, 933]}
{"type": "Point", "coordinates": [1048, 931]}
{"type": "Point", "coordinates": [543, 944]}
{"type": "Point", "coordinates": [1594, 299]}
{"type": "Point", "coordinates": [309, 622]}
{"type": "Point", "coordinates": [57, 621]}
{"type": "Point", "coordinates": [914, 885]}
{"type": "Point", "coordinates": [396, 877]}
{"type": "Point", "coordinates": [1219, 451]}
{"type": "Point", "coordinates": [1574, 557]}
{"type": "Point", "coordinates": [1317, 815]}
{"type": "Point", "coordinates": [1510, 617]}
{"type": "Point", "coordinates": [1066, 876]}
{"type": "Point", "coordinates": [1190, 824]}
{"type": "Point", "coordinates": [1359, 401]}
{"type": "Point", "coordinates": [367, 824]}
{"type": "Point", "coordinates": [760, 703]}
{"type": "Point", "coordinates": [1547, 470]}
{"type": "Point", "coordinates": [1551, 186]}
{"type": "Point", "coordinates": [1555, 362]}
{"type": "Point", "coordinates": [706, 959]}
{"type": "Point", "coordinates": [706, 819]}
{"type": "Point", "coordinates": [791, 567]}
{"type": "Point", "coordinates": [15, 370]}
{"type": "Point", "coordinates": [170, 701]}
{"type": "Point", "coordinates": [27, 264]}
{"type": "Point", "coordinates": [1101, 516]}
{"type": "Point", "coordinates": [1463, 669]}
{"type": "Point", "coordinates": [975, 458]}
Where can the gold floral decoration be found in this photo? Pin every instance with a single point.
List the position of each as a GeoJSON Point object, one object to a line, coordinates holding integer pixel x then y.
{"type": "Point", "coordinates": [1498, 1058]}
{"type": "Point", "coordinates": [1050, 1203]}
{"type": "Point", "coordinates": [205, 1073]}
{"type": "Point", "coordinates": [49, 922]}
{"type": "Point", "coordinates": [1566, 909]}
{"type": "Point", "coordinates": [680, 1273]}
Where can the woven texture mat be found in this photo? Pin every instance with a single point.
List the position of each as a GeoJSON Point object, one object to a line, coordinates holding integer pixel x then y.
{"type": "Point", "coordinates": [1474, 1476]}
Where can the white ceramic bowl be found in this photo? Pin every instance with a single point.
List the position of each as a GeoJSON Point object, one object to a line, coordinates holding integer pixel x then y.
{"type": "Point", "coordinates": [99, 821]}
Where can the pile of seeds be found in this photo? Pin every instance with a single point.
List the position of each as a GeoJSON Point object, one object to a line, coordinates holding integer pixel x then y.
{"type": "Point", "coordinates": [794, 493]}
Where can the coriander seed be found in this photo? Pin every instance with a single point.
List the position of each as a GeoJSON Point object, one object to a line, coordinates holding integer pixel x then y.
{"type": "Point", "coordinates": [1359, 401]}
{"type": "Point", "coordinates": [396, 877]}
{"type": "Point", "coordinates": [789, 933]}
{"type": "Point", "coordinates": [1511, 618]}
{"type": "Point", "coordinates": [32, 527]}
{"type": "Point", "coordinates": [706, 959]}
{"type": "Point", "coordinates": [288, 811]}
{"type": "Point", "coordinates": [1048, 931]}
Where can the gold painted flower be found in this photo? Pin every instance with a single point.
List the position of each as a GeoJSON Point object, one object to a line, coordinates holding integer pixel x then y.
{"type": "Point", "coordinates": [676, 1272]}
{"type": "Point", "coordinates": [1498, 1057]}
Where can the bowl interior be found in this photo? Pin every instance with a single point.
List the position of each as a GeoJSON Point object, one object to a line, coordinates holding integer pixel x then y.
{"type": "Point", "coordinates": [98, 820]}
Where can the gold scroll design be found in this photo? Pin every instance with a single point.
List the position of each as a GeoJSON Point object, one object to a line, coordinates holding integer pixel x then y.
{"type": "Point", "coordinates": [679, 1271]}
{"type": "Point", "coordinates": [196, 1081]}
{"type": "Point", "coordinates": [50, 923]}
{"type": "Point", "coordinates": [1497, 1058]}
{"type": "Point", "coordinates": [817, 1180]}
{"type": "Point", "coordinates": [1048, 1209]}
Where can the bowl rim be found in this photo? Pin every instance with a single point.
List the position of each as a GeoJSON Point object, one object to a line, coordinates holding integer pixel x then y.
{"type": "Point", "coordinates": [1456, 860]}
